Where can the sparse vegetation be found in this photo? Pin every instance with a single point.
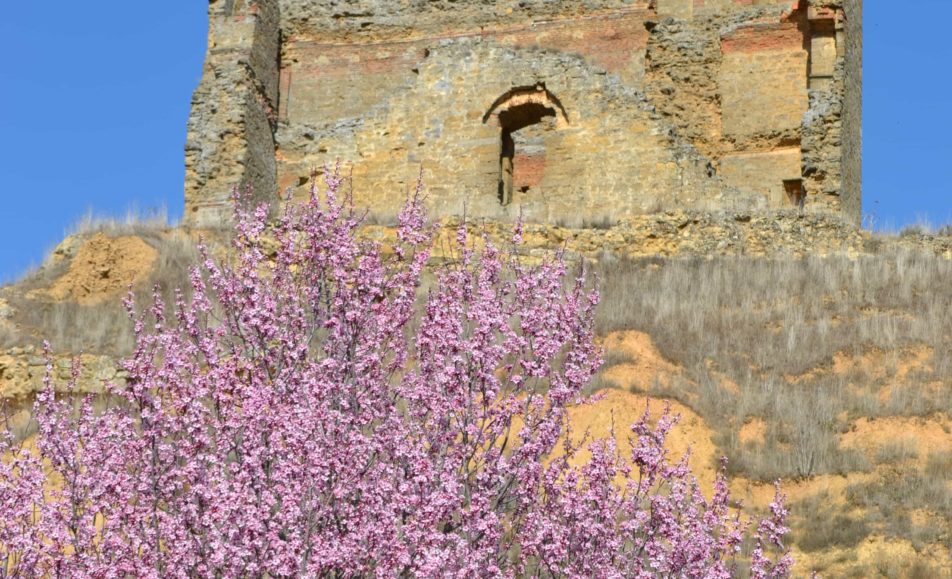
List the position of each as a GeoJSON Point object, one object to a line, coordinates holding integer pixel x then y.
{"type": "Point", "coordinates": [135, 222]}
{"type": "Point", "coordinates": [616, 357]}
{"type": "Point", "coordinates": [782, 317]}
{"type": "Point", "coordinates": [72, 327]}
{"type": "Point", "coordinates": [913, 230]}
{"type": "Point", "coordinates": [939, 466]}
{"type": "Point", "coordinates": [821, 529]}
{"type": "Point", "coordinates": [101, 326]}
{"type": "Point", "coordinates": [896, 451]}
{"type": "Point", "coordinates": [8, 335]}
{"type": "Point", "coordinates": [889, 500]}
{"type": "Point", "coordinates": [768, 324]}
{"type": "Point", "coordinates": [600, 382]}
{"type": "Point", "coordinates": [808, 348]}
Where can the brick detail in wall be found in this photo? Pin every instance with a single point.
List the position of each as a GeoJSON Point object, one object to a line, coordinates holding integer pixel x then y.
{"type": "Point", "coordinates": [662, 104]}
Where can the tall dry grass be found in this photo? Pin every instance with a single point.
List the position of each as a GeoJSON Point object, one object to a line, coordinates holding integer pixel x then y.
{"type": "Point", "coordinates": [8, 335]}
{"type": "Point", "coordinates": [102, 327]}
{"type": "Point", "coordinates": [142, 223]}
{"type": "Point", "coordinates": [773, 327]}
{"type": "Point", "coordinates": [757, 339]}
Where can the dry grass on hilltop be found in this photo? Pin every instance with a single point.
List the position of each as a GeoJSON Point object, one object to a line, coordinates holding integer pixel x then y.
{"type": "Point", "coordinates": [74, 299]}
{"type": "Point", "coordinates": [834, 374]}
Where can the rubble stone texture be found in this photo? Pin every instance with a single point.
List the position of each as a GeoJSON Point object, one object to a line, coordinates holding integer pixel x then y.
{"type": "Point", "coordinates": [568, 112]}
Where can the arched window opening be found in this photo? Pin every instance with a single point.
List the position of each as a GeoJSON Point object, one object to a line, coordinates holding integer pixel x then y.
{"type": "Point", "coordinates": [526, 116]}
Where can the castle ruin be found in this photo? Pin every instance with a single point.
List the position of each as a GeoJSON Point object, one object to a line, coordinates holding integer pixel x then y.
{"type": "Point", "coordinates": [570, 112]}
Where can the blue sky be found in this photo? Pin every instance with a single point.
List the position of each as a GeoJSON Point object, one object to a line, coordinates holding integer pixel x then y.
{"type": "Point", "coordinates": [94, 99]}
{"type": "Point", "coordinates": [907, 113]}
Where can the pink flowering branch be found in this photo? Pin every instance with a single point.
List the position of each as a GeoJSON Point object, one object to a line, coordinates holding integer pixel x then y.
{"type": "Point", "coordinates": [305, 412]}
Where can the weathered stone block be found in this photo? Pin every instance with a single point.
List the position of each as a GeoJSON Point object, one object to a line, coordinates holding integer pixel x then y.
{"type": "Point", "coordinates": [764, 89]}
{"type": "Point", "coordinates": [764, 173]}
{"type": "Point", "coordinates": [682, 9]}
{"type": "Point", "coordinates": [822, 55]}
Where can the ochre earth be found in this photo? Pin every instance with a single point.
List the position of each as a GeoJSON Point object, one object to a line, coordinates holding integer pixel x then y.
{"type": "Point", "coordinates": [104, 267]}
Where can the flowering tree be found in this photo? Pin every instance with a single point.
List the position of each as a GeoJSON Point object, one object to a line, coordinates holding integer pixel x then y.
{"type": "Point", "coordinates": [307, 413]}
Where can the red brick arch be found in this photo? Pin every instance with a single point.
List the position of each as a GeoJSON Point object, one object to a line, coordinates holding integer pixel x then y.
{"type": "Point", "coordinates": [533, 100]}
{"type": "Point", "coordinates": [517, 109]}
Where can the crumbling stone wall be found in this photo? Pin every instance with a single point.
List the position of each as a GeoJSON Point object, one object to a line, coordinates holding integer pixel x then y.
{"type": "Point", "coordinates": [581, 112]}
{"type": "Point", "coordinates": [230, 138]}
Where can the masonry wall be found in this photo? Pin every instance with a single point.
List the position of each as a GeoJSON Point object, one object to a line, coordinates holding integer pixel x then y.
{"type": "Point", "coordinates": [230, 136]}
{"type": "Point", "coordinates": [574, 113]}
{"type": "Point", "coordinates": [430, 105]}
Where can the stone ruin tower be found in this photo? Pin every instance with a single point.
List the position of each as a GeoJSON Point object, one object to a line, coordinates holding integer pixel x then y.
{"type": "Point", "coordinates": [571, 112]}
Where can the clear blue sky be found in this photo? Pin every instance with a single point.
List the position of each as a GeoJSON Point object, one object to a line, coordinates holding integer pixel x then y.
{"type": "Point", "coordinates": [94, 98]}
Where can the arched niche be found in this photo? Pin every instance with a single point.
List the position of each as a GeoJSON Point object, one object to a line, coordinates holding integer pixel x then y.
{"type": "Point", "coordinates": [525, 115]}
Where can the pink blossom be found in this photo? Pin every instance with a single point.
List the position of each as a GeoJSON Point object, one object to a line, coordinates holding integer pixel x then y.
{"type": "Point", "coordinates": [305, 412]}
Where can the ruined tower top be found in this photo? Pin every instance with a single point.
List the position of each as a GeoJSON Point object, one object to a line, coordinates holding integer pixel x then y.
{"type": "Point", "coordinates": [570, 112]}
